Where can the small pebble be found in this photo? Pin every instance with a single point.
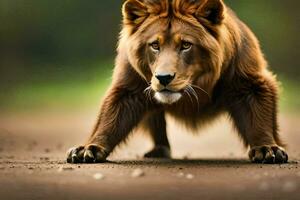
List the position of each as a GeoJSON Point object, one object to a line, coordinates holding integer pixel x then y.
{"type": "Point", "coordinates": [190, 176]}
{"type": "Point", "coordinates": [289, 186]}
{"type": "Point", "coordinates": [180, 174]}
{"type": "Point", "coordinates": [61, 169]}
{"type": "Point", "coordinates": [137, 173]}
{"type": "Point", "coordinates": [98, 176]}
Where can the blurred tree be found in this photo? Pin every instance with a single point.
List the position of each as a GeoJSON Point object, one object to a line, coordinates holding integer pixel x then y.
{"type": "Point", "coordinates": [53, 36]}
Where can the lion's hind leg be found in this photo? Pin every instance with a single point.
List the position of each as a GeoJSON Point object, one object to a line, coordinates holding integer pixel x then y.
{"type": "Point", "coordinates": [155, 124]}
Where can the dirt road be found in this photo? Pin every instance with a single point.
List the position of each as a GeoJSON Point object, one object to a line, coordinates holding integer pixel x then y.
{"type": "Point", "coordinates": [32, 163]}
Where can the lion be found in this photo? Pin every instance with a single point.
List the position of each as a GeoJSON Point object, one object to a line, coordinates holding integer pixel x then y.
{"type": "Point", "coordinates": [193, 60]}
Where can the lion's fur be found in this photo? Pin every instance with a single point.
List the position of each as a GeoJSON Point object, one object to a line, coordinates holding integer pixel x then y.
{"type": "Point", "coordinates": [233, 72]}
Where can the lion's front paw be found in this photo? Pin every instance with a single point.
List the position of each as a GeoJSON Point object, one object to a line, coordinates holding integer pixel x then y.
{"type": "Point", "coordinates": [268, 154]}
{"type": "Point", "coordinates": [159, 152]}
{"type": "Point", "coordinates": [86, 154]}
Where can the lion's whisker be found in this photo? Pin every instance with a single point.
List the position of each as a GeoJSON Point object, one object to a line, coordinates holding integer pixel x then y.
{"type": "Point", "coordinates": [193, 92]}
{"type": "Point", "coordinates": [186, 91]}
{"type": "Point", "coordinates": [147, 92]}
{"type": "Point", "coordinates": [148, 88]}
{"type": "Point", "coordinates": [195, 86]}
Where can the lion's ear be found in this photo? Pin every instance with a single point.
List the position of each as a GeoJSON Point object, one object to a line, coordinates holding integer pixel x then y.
{"type": "Point", "coordinates": [134, 12]}
{"type": "Point", "coordinates": [211, 10]}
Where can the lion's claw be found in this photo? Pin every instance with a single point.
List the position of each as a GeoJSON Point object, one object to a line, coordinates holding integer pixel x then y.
{"type": "Point", "coordinates": [268, 155]}
{"type": "Point", "coordinates": [86, 154]}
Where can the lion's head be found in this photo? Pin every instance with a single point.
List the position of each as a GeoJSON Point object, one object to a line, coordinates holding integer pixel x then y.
{"type": "Point", "coordinates": [175, 45]}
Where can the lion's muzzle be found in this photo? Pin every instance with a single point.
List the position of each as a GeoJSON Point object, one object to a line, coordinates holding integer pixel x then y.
{"type": "Point", "coordinates": [167, 96]}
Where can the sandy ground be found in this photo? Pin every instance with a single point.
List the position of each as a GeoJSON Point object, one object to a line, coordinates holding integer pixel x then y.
{"type": "Point", "coordinates": [210, 165]}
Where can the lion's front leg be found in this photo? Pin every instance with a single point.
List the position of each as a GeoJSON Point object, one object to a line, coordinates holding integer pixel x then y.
{"type": "Point", "coordinates": [254, 112]}
{"type": "Point", "coordinates": [120, 113]}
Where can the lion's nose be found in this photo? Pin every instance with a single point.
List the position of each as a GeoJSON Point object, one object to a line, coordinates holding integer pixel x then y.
{"type": "Point", "coordinates": [165, 79]}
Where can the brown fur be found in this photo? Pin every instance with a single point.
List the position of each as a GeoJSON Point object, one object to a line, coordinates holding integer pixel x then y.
{"type": "Point", "coordinates": [225, 71]}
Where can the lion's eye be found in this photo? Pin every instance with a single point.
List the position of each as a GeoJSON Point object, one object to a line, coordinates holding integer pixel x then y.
{"type": "Point", "coordinates": [186, 46]}
{"type": "Point", "coordinates": [155, 46]}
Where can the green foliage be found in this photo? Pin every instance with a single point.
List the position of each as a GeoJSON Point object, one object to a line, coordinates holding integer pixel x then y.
{"type": "Point", "coordinates": [65, 31]}
{"type": "Point", "coordinates": [289, 95]}
{"type": "Point", "coordinates": [82, 92]}
{"type": "Point", "coordinates": [85, 92]}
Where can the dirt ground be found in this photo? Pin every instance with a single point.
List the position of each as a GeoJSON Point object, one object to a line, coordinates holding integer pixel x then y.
{"type": "Point", "coordinates": [210, 165]}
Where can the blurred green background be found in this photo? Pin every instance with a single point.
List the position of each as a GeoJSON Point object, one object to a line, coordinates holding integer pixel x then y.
{"type": "Point", "coordinates": [58, 54]}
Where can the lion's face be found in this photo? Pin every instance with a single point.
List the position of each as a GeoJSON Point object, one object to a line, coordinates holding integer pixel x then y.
{"type": "Point", "coordinates": [176, 54]}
